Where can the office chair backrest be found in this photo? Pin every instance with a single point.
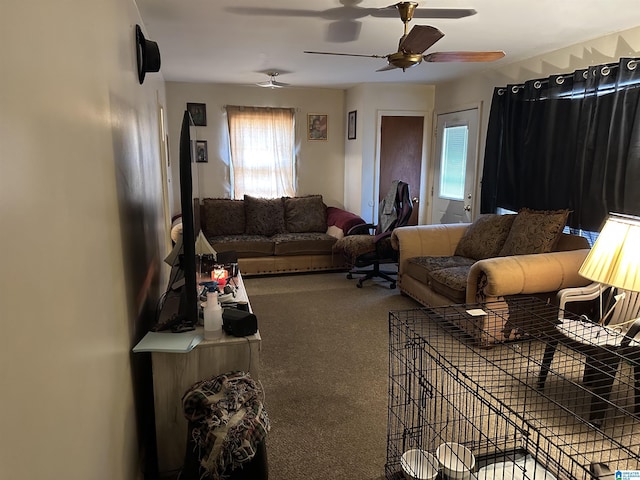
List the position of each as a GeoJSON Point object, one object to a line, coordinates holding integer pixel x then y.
{"type": "Point", "coordinates": [405, 205]}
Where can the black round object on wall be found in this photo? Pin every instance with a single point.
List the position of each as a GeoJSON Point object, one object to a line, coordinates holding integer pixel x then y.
{"type": "Point", "coordinates": [148, 55]}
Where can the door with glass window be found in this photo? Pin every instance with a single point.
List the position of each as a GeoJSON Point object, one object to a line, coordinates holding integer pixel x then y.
{"type": "Point", "coordinates": [454, 184]}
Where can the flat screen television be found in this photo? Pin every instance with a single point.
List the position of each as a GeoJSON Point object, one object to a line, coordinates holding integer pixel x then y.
{"type": "Point", "coordinates": [189, 203]}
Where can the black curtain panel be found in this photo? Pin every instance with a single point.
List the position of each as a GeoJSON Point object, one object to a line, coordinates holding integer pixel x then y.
{"type": "Point", "coordinates": [567, 141]}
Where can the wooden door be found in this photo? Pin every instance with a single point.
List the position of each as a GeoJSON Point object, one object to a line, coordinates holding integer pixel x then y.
{"type": "Point", "coordinates": [401, 146]}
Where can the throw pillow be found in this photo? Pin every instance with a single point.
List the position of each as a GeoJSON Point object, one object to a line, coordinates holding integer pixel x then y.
{"type": "Point", "coordinates": [485, 237]}
{"type": "Point", "coordinates": [264, 216]}
{"type": "Point", "coordinates": [305, 214]}
{"type": "Point", "coordinates": [222, 216]}
{"type": "Point", "coordinates": [534, 231]}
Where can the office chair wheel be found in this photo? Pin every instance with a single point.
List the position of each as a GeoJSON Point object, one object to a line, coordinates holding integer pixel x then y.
{"type": "Point", "coordinates": [392, 286]}
{"type": "Point", "coordinates": [349, 276]}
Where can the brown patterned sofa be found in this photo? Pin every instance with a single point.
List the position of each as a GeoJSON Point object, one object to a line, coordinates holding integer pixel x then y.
{"type": "Point", "coordinates": [491, 260]}
{"type": "Point", "coordinates": [281, 235]}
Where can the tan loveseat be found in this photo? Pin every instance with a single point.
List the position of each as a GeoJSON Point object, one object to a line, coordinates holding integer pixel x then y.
{"type": "Point", "coordinates": [481, 262]}
{"type": "Point", "coordinates": [281, 235]}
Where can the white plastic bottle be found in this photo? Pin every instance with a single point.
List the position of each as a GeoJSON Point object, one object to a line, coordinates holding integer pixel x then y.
{"type": "Point", "coordinates": [212, 316]}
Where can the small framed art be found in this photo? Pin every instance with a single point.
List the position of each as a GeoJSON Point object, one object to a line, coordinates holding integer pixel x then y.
{"type": "Point", "coordinates": [351, 125]}
{"type": "Point", "coordinates": [316, 126]}
{"type": "Point", "coordinates": [202, 156]}
{"type": "Point", "coordinates": [198, 113]}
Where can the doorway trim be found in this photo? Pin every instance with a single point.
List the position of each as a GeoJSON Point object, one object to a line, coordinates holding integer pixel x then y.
{"type": "Point", "coordinates": [435, 156]}
{"type": "Point", "coordinates": [426, 149]}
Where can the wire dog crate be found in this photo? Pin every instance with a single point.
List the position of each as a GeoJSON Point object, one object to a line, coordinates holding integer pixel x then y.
{"type": "Point", "coordinates": [522, 409]}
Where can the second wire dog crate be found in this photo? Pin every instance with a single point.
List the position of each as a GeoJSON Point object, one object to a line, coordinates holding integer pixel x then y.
{"type": "Point", "coordinates": [443, 388]}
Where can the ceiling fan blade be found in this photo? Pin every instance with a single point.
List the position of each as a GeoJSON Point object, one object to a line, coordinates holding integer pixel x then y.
{"type": "Point", "coordinates": [352, 11]}
{"type": "Point", "coordinates": [463, 56]}
{"type": "Point", "coordinates": [426, 12]}
{"type": "Point", "coordinates": [347, 54]}
{"type": "Point", "coordinates": [420, 38]}
{"type": "Point", "coordinates": [272, 84]}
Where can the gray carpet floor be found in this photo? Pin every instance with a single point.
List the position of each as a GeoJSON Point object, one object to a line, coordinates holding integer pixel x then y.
{"type": "Point", "coordinates": [324, 370]}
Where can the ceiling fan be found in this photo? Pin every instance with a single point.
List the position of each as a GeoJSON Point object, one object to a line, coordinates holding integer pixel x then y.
{"type": "Point", "coordinates": [272, 82]}
{"type": "Point", "coordinates": [344, 26]}
{"type": "Point", "coordinates": [413, 44]}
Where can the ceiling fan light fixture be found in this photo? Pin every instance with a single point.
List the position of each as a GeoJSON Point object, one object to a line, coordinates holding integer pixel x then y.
{"type": "Point", "coordinates": [404, 60]}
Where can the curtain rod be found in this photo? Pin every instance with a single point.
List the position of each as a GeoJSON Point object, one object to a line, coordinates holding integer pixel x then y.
{"type": "Point", "coordinates": [224, 107]}
{"type": "Point", "coordinates": [605, 69]}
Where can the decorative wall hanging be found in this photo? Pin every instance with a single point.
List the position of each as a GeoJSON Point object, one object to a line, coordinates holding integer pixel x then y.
{"type": "Point", "coordinates": [198, 113]}
{"type": "Point", "coordinates": [316, 126]}
{"type": "Point", "coordinates": [351, 125]}
{"type": "Point", "coordinates": [147, 54]}
{"type": "Point", "coordinates": [202, 156]}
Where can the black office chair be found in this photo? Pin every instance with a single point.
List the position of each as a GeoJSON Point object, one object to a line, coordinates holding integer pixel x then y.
{"type": "Point", "coordinates": [367, 246]}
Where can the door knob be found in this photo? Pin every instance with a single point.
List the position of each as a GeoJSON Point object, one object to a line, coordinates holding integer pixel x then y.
{"type": "Point", "coordinates": [467, 208]}
{"type": "Point", "coordinates": [415, 200]}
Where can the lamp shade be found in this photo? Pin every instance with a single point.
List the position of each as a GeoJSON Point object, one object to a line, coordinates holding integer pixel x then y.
{"type": "Point", "coordinates": [615, 257]}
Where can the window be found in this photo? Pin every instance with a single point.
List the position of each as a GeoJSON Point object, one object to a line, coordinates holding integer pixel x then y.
{"type": "Point", "coordinates": [454, 162]}
{"type": "Point", "coordinates": [262, 151]}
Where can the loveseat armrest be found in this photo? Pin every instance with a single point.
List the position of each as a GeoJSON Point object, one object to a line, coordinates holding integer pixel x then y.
{"type": "Point", "coordinates": [494, 278]}
{"type": "Point", "coordinates": [426, 240]}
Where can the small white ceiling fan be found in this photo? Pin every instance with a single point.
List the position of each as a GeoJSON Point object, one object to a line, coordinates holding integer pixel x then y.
{"type": "Point", "coordinates": [272, 82]}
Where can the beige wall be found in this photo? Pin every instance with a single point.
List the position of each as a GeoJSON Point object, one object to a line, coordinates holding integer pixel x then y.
{"type": "Point", "coordinates": [479, 88]}
{"type": "Point", "coordinates": [361, 155]}
{"type": "Point", "coordinates": [81, 209]}
{"type": "Point", "coordinates": [320, 163]}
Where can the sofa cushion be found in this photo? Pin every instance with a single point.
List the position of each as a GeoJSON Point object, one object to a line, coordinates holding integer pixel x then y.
{"type": "Point", "coordinates": [534, 231]}
{"type": "Point", "coordinates": [305, 214]}
{"type": "Point", "coordinates": [567, 242]}
{"type": "Point", "coordinates": [353, 246]}
{"type": "Point", "coordinates": [244, 245]}
{"type": "Point", "coordinates": [222, 216]}
{"type": "Point", "coordinates": [485, 237]}
{"type": "Point", "coordinates": [309, 243]}
{"type": "Point", "coordinates": [263, 216]}
{"type": "Point", "coordinates": [421, 268]}
{"type": "Point", "coordinates": [451, 282]}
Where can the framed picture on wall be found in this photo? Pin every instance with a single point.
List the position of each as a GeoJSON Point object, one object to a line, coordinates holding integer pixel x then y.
{"type": "Point", "coordinates": [202, 155]}
{"type": "Point", "coordinates": [316, 126]}
{"type": "Point", "coordinates": [351, 125]}
{"type": "Point", "coordinates": [198, 113]}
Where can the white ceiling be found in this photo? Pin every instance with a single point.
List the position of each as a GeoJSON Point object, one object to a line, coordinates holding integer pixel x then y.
{"type": "Point", "coordinates": [236, 41]}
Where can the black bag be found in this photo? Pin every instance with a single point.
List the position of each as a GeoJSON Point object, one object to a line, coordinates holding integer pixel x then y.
{"type": "Point", "coordinates": [239, 323]}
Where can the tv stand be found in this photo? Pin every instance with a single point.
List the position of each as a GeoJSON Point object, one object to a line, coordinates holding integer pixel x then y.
{"type": "Point", "coordinates": [174, 373]}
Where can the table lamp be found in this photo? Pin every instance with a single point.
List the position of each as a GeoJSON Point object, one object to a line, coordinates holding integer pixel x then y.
{"type": "Point", "coordinates": [614, 260]}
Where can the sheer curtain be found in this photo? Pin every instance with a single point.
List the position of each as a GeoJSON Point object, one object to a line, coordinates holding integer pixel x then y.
{"type": "Point", "coordinates": [567, 141]}
{"type": "Point", "coordinates": [262, 151]}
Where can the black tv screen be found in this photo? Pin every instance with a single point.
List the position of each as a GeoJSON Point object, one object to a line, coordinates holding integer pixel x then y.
{"type": "Point", "coordinates": [189, 203]}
